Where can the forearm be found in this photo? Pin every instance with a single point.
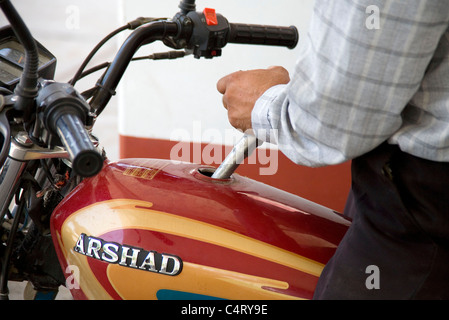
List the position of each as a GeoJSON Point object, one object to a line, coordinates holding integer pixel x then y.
{"type": "Point", "coordinates": [351, 85]}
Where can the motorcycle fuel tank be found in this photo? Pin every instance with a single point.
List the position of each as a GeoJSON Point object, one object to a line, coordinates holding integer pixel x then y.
{"type": "Point", "coordinates": [154, 229]}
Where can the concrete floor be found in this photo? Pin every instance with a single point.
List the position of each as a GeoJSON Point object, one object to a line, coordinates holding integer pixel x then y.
{"type": "Point", "coordinates": [16, 290]}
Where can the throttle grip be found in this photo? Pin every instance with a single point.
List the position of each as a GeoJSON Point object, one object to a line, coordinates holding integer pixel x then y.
{"type": "Point", "coordinates": [63, 112]}
{"type": "Point", "coordinates": [263, 35]}
{"type": "Point", "coordinates": [86, 161]}
{"type": "Point", "coordinates": [208, 32]}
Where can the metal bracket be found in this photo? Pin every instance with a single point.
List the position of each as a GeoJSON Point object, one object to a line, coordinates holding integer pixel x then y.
{"type": "Point", "coordinates": [22, 149]}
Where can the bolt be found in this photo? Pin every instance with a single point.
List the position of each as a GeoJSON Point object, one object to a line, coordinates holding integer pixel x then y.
{"type": "Point", "coordinates": [23, 139]}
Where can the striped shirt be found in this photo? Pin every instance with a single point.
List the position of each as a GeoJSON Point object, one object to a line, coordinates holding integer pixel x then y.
{"type": "Point", "coordinates": [360, 82]}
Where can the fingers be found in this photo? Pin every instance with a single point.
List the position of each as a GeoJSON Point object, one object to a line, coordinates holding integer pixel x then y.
{"type": "Point", "coordinates": [223, 83]}
{"type": "Point", "coordinates": [225, 101]}
{"type": "Point", "coordinates": [241, 90]}
{"type": "Point", "coordinates": [223, 86]}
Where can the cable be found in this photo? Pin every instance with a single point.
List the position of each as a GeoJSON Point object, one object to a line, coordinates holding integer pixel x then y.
{"type": "Point", "coordinates": [93, 52]}
{"type": "Point", "coordinates": [130, 25]}
{"type": "Point", "coordinates": [26, 90]}
{"type": "Point", "coordinates": [155, 56]}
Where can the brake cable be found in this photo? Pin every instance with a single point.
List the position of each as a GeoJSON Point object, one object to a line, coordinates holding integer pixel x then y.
{"type": "Point", "coordinates": [129, 26]}
{"type": "Point", "coordinates": [169, 55]}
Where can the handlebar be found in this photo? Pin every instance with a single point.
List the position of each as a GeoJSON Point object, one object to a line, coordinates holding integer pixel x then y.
{"type": "Point", "coordinates": [144, 35]}
{"type": "Point", "coordinates": [86, 161]}
{"type": "Point", "coordinates": [263, 35]}
{"type": "Point", "coordinates": [204, 33]}
{"type": "Point", "coordinates": [64, 113]}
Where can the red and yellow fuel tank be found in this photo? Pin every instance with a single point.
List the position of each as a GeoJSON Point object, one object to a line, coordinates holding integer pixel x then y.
{"type": "Point", "coordinates": [154, 229]}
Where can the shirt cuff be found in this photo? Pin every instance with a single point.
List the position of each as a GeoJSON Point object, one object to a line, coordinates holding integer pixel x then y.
{"type": "Point", "coordinates": [260, 116]}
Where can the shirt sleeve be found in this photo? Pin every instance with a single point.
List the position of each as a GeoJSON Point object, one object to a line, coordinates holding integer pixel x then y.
{"type": "Point", "coordinates": [353, 79]}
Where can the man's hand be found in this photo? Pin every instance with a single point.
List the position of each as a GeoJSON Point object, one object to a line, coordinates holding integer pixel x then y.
{"type": "Point", "coordinates": [242, 89]}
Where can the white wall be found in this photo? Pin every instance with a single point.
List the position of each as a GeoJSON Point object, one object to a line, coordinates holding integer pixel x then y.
{"type": "Point", "coordinates": [70, 29]}
{"type": "Point", "coordinates": [158, 99]}
{"type": "Point", "coordinates": [164, 99]}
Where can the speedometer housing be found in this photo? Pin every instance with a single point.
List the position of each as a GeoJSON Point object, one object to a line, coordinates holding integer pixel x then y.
{"type": "Point", "coordinates": [12, 60]}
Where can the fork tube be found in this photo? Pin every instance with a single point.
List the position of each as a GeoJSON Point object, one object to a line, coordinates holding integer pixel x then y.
{"type": "Point", "coordinates": [4, 292]}
{"type": "Point", "coordinates": [9, 178]}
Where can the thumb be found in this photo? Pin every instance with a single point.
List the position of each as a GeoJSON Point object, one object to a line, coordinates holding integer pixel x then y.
{"type": "Point", "coordinates": [222, 84]}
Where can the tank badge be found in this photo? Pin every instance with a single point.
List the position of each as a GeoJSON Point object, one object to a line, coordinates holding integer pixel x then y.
{"type": "Point", "coordinates": [146, 170]}
{"type": "Point", "coordinates": [128, 256]}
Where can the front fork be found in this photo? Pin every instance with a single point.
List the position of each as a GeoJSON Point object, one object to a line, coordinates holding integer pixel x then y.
{"type": "Point", "coordinates": [21, 152]}
{"type": "Point", "coordinates": [9, 181]}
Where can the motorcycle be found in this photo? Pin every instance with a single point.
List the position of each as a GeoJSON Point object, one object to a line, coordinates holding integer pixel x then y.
{"type": "Point", "coordinates": [141, 228]}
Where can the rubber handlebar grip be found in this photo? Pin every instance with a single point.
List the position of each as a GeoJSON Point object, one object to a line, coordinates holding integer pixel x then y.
{"type": "Point", "coordinates": [86, 160]}
{"type": "Point", "coordinates": [263, 35]}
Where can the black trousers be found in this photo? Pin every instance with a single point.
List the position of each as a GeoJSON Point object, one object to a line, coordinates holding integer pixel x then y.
{"type": "Point", "coordinates": [398, 244]}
